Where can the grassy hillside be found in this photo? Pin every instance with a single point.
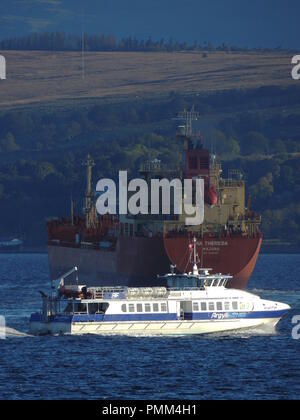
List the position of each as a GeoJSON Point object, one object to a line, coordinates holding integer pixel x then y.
{"type": "Point", "coordinates": [123, 113]}
{"type": "Point", "coordinates": [40, 77]}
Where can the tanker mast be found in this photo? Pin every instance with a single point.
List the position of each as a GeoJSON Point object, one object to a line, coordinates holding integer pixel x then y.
{"type": "Point", "coordinates": [89, 219]}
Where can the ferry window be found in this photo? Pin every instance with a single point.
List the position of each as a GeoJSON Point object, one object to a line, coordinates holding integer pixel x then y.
{"type": "Point", "coordinates": [203, 306]}
{"type": "Point", "coordinates": [242, 306]}
{"type": "Point", "coordinates": [219, 306]}
{"type": "Point", "coordinates": [211, 306]}
{"type": "Point", "coordinates": [96, 308]}
{"type": "Point", "coordinates": [93, 308]}
{"type": "Point", "coordinates": [234, 306]}
{"type": "Point", "coordinates": [163, 307]}
{"type": "Point", "coordinates": [103, 307]}
{"type": "Point", "coordinates": [195, 306]}
{"type": "Point", "coordinates": [139, 307]}
{"type": "Point", "coordinates": [131, 307]}
{"type": "Point", "coordinates": [227, 306]}
{"type": "Point", "coordinates": [124, 308]}
{"type": "Point", "coordinates": [80, 307]}
{"type": "Point", "coordinates": [155, 307]}
{"type": "Point", "coordinates": [147, 307]}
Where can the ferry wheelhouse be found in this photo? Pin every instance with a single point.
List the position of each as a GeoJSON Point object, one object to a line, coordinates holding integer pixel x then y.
{"type": "Point", "coordinates": [192, 303]}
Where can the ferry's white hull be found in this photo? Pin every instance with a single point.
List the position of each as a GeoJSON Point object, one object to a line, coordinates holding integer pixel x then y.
{"type": "Point", "coordinates": [151, 328]}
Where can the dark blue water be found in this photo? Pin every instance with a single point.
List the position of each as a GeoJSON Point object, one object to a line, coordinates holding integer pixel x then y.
{"type": "Point", "coordinates": [244, 365]}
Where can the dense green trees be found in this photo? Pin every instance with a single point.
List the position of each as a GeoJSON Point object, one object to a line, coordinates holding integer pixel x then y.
{"type": "Point", "coordinates": [255, 143]}
{"type": "Point", "coordinates": [41, 152]}
{"type": "Point", "coordinates": [263, 188]}
{"type": "Point", "coordinates": [8, 143]}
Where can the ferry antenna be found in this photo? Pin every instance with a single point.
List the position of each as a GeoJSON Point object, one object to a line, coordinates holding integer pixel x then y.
{"type": "Point", "coordinates": [194, 254]}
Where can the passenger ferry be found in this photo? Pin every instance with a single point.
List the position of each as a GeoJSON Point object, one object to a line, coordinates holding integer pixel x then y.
{"type": "Point", "coordinates": [192, 303]}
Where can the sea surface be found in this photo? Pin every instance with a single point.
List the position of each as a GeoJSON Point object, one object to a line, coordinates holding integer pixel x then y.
{"type": "Point", "coordinates": [248, 365]}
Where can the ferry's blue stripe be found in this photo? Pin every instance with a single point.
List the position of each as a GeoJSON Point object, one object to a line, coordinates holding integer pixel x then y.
{"type": "Point", "coordinates": [37, 317]}
{"type": "Point", "coordinates": [195, 316]}
{"type": "Point", "coordinates": [234, 315]}
{"type": "Point", "coordinates": [125, 317]}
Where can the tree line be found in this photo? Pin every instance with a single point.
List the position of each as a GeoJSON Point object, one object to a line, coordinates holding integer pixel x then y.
{"type": "Point", "coordinates": [60, 41]}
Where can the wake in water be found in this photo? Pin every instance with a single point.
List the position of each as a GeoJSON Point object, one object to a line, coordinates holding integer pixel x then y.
{"type": "Point", "coordinates": [12, 333]}
{"type": "Point", "coordinates": [263, 330]}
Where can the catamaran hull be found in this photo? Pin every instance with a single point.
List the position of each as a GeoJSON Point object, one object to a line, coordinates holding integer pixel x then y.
{"type": "Point", "coordinates": [151, 328]}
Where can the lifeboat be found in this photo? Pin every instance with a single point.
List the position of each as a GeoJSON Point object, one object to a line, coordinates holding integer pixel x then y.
{"type": "Point", "coordinates": [211, 196]}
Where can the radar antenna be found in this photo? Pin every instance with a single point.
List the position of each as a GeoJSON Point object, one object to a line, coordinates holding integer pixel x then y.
{"type": "Point", "coordinates": [188, 117]}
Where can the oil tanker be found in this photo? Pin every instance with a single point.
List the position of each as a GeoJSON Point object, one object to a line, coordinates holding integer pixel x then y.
{"type": "Point", "coordinates": [131, 250]}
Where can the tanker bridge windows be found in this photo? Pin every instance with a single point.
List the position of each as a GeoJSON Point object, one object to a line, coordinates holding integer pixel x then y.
{"type": "Point", "coordinates": [131, 229]}
{"type": "Point", "coordinates": [193, 162]}
{"type": "Point", "coordinates": [204, 163]}
{"type": "Point", "coordinates": [126, 229]}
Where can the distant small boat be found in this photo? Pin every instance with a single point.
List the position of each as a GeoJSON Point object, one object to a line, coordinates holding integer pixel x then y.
{"type": "Point", "coordinates": [193, 303]}
{"type": "Point", "coordinates": [10, 244]}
